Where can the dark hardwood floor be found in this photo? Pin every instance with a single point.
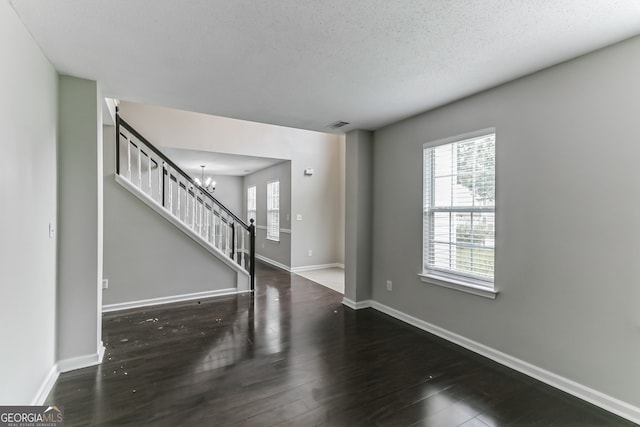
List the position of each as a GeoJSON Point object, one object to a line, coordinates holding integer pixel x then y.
{"type": "Point", "coordinates": [295, 356]}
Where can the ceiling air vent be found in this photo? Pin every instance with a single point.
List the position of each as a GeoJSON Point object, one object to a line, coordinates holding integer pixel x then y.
{"type": "Point", "coordinates": [338, 124]}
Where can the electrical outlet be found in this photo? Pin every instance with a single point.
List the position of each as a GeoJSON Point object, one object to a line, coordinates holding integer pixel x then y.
{"type": "Point", "coordinates": [310, 252]}
{"type": "Point", "coordinates": [389, 285]}
{"type": "Point", "coordinates": [105, 283]}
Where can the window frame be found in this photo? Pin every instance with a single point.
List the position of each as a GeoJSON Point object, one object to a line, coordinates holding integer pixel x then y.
{"type": "Point", "coordinates": [468, 283]}
{"type": "Point", "coordinates": [273, 235]}
{"type": "Point", "coordinates": [249, 204]}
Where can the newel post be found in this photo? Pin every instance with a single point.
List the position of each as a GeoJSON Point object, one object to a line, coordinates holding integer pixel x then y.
{"type": "Point", "coordinates": [252, 253]}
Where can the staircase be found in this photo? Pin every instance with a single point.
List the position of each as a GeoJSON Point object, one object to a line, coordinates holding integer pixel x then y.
{"type": "Point", "coordinates": [152, 177]}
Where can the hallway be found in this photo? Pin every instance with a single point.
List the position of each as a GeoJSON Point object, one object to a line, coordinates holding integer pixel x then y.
{"type": "Point", "coordinates": [296, 356]}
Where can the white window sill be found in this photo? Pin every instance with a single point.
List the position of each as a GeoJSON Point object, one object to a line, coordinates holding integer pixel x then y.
{"type": "Point", "coordinates": [272, 240]}
{"type": "Point", "coordinates": [458, 285]}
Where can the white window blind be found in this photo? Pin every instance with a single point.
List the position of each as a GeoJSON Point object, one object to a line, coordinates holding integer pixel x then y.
{"type": "Point", "coordinates": [251, 204]}
{"type": "Point", "coordinates": [459, 210]}
{"type": "Point", "coordinates": [273, 210]}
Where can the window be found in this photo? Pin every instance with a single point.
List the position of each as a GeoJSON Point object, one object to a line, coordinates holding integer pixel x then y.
{"type": "Point", "coordinates": [459, 212]}
{"type": "Point", "coordinates": [273, 210]}
{"type": "Point", "coordinates": [251, 204]}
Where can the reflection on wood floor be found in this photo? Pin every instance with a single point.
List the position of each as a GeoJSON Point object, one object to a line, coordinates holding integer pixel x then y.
{"type": "Point", "coordinates": [295, 356]}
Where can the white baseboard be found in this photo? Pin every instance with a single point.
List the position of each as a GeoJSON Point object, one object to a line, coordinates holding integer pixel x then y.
{"type": "Point", "coordinates": [66, 366]}
{"type": "Point", "coordinates": [316, 267]}
{"type": "Point", "coordinates": [581, 391]}
{"type": "Point", "coordinates": [46, 386]}
{"type": "Point", "coordinates": [167, 300]}
{"type": "Point", "coordinates": [80, 362]}
{"type": "Point", "coordinates": [273, 263]}
{"type": "Point", "coordinates": [357, 305]}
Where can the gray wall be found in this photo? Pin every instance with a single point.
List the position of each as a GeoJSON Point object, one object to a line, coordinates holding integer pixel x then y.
{"type": "Point", "coordinates": [567, 229]}
{"type": "Point", "coordinates": [28, 125]}
{"type": "Point", "coordinates": [79, 218]}
{"type": "Point", "coordinates": [359, 200]}
{"type": "Point", "coordinates": [229, 192]}
{"type": "Point", "coordinates": [145, 256]}
{"type": "Point", "coordinates": [279, 252]}
{"type": "Point", "coordinates": [319, 198]}
{"type": "Point", "coordinates": [341, 176]}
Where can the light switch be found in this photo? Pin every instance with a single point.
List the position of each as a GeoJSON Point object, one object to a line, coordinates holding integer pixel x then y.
{"type": "Point", "coordinates": [298, 217]}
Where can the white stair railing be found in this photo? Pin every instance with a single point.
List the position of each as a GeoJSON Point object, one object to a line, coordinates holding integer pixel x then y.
{"type": "Point", "coordinates": [152, 173]}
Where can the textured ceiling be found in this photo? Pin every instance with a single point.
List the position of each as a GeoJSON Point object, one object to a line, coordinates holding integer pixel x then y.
{"type": "Point", "coordinates": [309, 63]}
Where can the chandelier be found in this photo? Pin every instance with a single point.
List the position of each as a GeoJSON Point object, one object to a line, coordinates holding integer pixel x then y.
{"type": "Point", "coordinates": [208, 184]}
